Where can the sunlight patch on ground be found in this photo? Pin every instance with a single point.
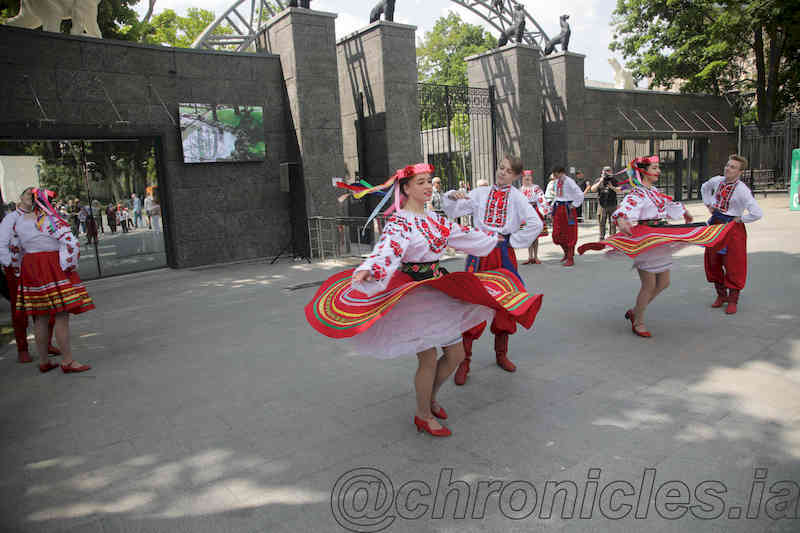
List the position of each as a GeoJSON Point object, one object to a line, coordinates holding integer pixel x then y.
{"type": "Point", "coordinates": [199, 484]}
{"type": "Point", "coordinates": [635, 418]}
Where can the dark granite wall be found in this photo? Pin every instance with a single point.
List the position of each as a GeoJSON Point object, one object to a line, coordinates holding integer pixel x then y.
{"type": "Point", "coordinates": [213, 212]}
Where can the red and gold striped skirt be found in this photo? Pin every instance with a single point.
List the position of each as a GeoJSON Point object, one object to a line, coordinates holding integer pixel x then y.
{"type": "Point", "coordinates": [45, 289]}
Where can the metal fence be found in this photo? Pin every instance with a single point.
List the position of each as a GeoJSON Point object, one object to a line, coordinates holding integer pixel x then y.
{"type": "Point", "coordinates": [769, 155]}
{"type": "Point", "coordinates": [457, 132]}
{"type": "Point", "coordinates": [335, 237]}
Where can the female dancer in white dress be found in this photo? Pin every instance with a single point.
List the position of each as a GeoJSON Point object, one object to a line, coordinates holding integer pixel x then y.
{"type": "Point", "coordinates": [399, 301]}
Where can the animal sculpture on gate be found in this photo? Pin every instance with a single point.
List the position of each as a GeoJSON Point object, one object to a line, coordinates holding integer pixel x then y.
{"type": "Point", "coordinates": [562, 38]}
{"type": "Point", "coordinates": [385, 7]}
{"type": "Point", "coordinates": [517, 28]}
{"type": "Point", "coordinates": [623, 79]}
{"type": "Point", "coordinates": [50, 13]}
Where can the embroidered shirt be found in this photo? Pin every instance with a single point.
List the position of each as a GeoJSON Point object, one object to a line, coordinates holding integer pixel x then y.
{"type": "Point", "coordinates": [568, 191]}
{"type": "Point", "coordinates": [646, 203]}
{"type": "Point", "coordinates": [536, 198]}
{"type": "Point", "coordinates": [495, 210]}
{"type": "Point", "coordinates": [417, 238]}
{"type": "Point", "coordinates": [731, 199]}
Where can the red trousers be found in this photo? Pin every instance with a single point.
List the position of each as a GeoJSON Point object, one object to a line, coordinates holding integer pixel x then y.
{"type": "Point", "coordinates": [729, 267]}
{"type": "Point", "coordinates": [18, 318]}
{"type": "Point", "coordinates": [564, 233]}
{"type": "Point", "coordinates": [502, 323]}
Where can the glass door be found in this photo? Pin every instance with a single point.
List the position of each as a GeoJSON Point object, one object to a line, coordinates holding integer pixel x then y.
{"type": "Point", "coordinates": [107, 190]}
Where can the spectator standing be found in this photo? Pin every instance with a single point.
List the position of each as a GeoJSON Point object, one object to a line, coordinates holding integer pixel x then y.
{"type": "Point", "coordinates": [436, 195]}
{"type": "Point", "coordinates": [585, 185]}
{"type": "Point", "coordinates": [607, 190]}
{"type": "Point", "coordinates": [155, 214]}
{"type": "Point", "coordinates": [137, 210]}
{"type": "Point", "coordinates": [148, 205]}
{"type": "Point", "coordinates": [111, 217]}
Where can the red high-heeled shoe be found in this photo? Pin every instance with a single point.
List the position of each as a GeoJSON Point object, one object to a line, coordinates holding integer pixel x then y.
{"type": "Point", "coordinates": [423, 425]}
{"type": "Point", "coordinates": [69, 369]}
{"type": "Point", "coordinates": [629, 316]}
{"type": "Point", "coordinates": [439, 413]}
{"type": "Point", "coordinates": [48, 367]}
{"type": "Point", "coordinates": [52, 350]}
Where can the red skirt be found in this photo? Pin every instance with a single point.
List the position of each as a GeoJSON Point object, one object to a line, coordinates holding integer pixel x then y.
{"type": "Point", "coordinates": [647, 238]}
{"type": "Point", "coordinates": [45, 289]}
{"type": "Point", "coordinates": [544, 232]}
{"type": "Point", "coordinates": [338, 311]}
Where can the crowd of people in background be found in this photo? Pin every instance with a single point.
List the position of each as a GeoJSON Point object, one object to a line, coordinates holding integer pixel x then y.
{"type": "Point", "coordinates": [124, 215]}
{"type": "Point", "coordinates": [608, 195]}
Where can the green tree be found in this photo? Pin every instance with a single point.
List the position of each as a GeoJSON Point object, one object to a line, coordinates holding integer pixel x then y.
{"type": "Point", "coordinates": [714, 46]}
{"type": "Point", "coordinates": [116, 18]}
{"type": "Point", "coordinates": [440, 56]}
{"type": "Point", "coordinates": [169, 28]}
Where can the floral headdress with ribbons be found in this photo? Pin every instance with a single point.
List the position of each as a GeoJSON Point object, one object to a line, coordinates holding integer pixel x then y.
{"type": "Point", "coordinates": [363, 188]}
{"type": "Point", "coordinates": [45, 213]}
{"type": "Point", "coordinates": [635, 173]}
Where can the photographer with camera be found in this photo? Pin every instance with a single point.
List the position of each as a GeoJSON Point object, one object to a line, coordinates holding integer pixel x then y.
{"type": "Point", "coordinates": [606, 187]}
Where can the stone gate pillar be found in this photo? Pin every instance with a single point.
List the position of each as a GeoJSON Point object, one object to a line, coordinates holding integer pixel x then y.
{"type": "Point", "coordinates": [514, 73]}
{"type": "Point", "coordinates": [306, 42]}
{"type": "Point", "coordinates": [378, 88]}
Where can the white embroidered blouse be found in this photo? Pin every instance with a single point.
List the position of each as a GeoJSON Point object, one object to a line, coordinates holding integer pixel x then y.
{"type": "Point", "coordinates": [535, 196]}
{"type": "Point", "coordinates": [496, 210]}
{"type": "Point", "coordinates": [417, 238]}
{"type": "Point", "coordinates": [646, 203]}
{"type": "Point", "coordinates": [19, 235]}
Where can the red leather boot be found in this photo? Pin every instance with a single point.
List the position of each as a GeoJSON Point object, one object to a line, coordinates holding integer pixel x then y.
{"type": "Point", "coordinates": [722, 295]}
{"type": "Point", "coordinates": [463, 367]}
{"type": "Point", "coordinates": [733, 299]}
{"type": "Point", "coordinates": [501, 352]}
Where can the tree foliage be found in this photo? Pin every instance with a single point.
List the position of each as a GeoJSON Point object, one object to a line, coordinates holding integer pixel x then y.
{"type": "Point", "coordinates": [714, 46]}
{"type": "Point", "coordinates": [440, 56]}
{"type": "Point", "coordinates": [169, 28]}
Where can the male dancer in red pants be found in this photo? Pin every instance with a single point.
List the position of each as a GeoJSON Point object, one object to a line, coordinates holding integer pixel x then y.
{"type": "Point", "coordinates": [499, 209]}
{"type": "Point", "coordinates": [565, 217]}
{"type": "Point", "coordinates": [727, 198]}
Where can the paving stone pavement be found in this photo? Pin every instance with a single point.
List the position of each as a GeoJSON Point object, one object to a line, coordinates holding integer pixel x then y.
{"type": "Point", "coordinates": [213, 406]}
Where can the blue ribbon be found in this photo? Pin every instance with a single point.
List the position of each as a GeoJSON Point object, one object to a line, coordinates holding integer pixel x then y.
{"type": "Point", "coordinates": [719, 218]}
{"type": "Point", "coordinates": [389, 194]}
{"type": "Point", "coordinates": [473, 262]}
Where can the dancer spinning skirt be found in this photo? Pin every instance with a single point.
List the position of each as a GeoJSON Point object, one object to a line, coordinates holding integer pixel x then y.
{"type": "Point", "coordinates": [48, 283]}
{"type": "Point", "coordinates": [399, 301]}
{"type": "Point", "coordinates": [536, 198]}
{"type": "Point", "coordinates": [646, 237]}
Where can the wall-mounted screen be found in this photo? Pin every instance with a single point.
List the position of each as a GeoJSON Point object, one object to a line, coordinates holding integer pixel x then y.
{"type": "Point", "coordinates": [222, 133]}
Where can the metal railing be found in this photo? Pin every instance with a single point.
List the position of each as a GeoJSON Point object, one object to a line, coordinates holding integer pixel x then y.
{"type": "Point", "coordinates": [769, 154]}
{"type": "Point", "coordinates": [337, 237]}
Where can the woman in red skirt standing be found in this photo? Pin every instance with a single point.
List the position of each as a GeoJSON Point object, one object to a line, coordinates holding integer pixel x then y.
{"type": "Point", "coordinates": [48, 283]}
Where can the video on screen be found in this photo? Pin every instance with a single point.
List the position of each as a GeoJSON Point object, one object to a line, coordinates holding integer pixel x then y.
{"type": "Point", "coordinates": [213, 133]}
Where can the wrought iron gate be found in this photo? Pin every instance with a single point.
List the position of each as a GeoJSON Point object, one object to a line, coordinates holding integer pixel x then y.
{"type": "Point", "coordinates": [458, 133]}
{"type": "Point", "coordinates": [770, 155]}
